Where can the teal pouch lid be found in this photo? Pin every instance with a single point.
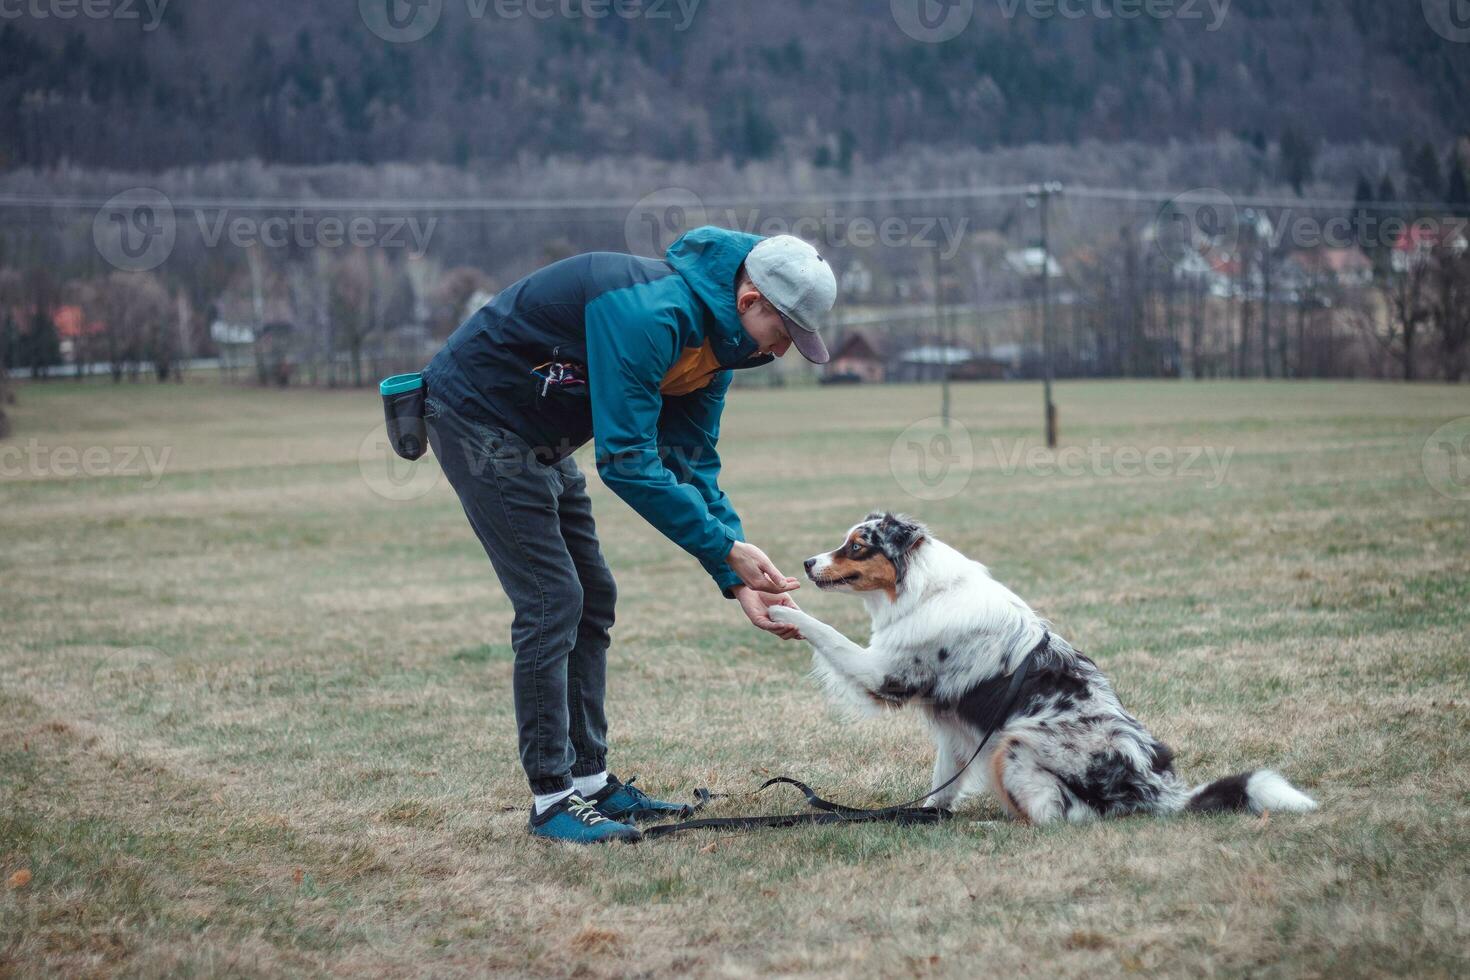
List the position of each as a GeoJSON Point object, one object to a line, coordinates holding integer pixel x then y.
{"type": "Point", "coordinates": [400, 383]}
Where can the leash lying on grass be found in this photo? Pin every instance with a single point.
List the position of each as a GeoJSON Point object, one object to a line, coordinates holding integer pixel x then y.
{"type": "Point", "coordinates": [999, 699]}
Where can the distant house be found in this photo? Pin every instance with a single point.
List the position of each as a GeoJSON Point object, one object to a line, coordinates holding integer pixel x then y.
{"type": "Point", "coordinates": [235, 343]}
{"type": "Point", "coordinates": [854, 360]}
{"type": "Point", "coordinates": [1347, 266]}
{"type": "Point", "coordinates": [934, 363]}
{"type": "Point", "coordinates": [1029, 262]}
{"type": "Point", "coordinates": [73, 330]}
{"type": "Point", "coordinates": [1413, 247]}
{"type": "Point", "coordinates": [856, 280]}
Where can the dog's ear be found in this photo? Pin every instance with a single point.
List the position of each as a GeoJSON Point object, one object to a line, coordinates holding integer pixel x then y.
{"type": "Point", "coordinates": [900, 536]}
{"type": "Point", "coordinates": [902, 532]}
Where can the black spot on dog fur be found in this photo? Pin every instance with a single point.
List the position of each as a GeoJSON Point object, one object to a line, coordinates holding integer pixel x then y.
{"type": "Point", "coordinates": [1226, 795]}
{"type": "Point", "coordinates": [1163, 757]}
{"type": "Point", "coordinates": [895, 690]}
{"type": "Point", "coordinates": [1112, 786]}
{"type": "Point", "coordinates": [943, 655]}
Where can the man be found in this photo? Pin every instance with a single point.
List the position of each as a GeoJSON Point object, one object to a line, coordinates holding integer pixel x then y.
{"type": "Point", "coordinates": [636, 354]}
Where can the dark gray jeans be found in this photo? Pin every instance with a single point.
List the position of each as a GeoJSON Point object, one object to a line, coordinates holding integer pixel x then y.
{"type": "Point", "coordinates": [535, 522]}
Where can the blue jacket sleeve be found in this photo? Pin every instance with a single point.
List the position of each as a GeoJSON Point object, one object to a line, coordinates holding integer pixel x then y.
{"type": "Point", "coordinates": [630, 347]}
{"type": "Point", "coordinates": [689, 429]}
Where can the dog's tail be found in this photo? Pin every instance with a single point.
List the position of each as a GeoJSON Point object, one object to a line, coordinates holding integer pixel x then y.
{"type": "Point", "coordinates": [1258, 791]}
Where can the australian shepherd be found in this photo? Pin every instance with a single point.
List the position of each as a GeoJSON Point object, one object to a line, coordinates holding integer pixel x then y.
{"type": "Point", "coordinates": [1057, 744]}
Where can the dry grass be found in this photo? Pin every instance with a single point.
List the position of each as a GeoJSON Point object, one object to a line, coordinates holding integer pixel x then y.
{"type": "Point", "coordinates": [254, 719]}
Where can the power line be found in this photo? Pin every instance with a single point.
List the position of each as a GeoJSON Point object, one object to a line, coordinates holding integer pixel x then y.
{"type": "Point", "coordinates": [1200, 196]}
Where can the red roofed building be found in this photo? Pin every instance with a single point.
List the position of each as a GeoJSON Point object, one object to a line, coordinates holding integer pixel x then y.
{"type": "Point", "coordinates": [72, 326]}
{"type": "Point", "coordinates": [855, 360]}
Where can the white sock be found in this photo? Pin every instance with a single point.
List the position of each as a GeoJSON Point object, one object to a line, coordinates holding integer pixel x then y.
{"type": "Point", "coordinates": [587, 785]}
{"type": "Point", "coordinates": [545, 801]}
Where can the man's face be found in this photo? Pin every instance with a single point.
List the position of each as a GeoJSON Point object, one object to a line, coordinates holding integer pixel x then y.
{"type": "Point", "coordinates": [762, 322]}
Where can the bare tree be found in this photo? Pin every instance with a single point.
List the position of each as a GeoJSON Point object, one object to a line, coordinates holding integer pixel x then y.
{"type": "Point", "coordinates": [137, 317]}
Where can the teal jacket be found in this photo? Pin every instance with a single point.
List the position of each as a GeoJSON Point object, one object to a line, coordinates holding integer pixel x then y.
{"type": "Point", "coordinates": [648, 348]}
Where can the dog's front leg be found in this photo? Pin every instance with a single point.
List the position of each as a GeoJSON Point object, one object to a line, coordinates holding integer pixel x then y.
{"type": "Point", "coordinates": [949, 756]}
{"type": "Point", "coordinates": [843, 658]}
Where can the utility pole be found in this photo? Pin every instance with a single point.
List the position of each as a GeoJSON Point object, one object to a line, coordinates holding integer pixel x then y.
{"type": "Point", "coordinates": [943, 335]}
{"type": "Point", "coordinates": [1040, 198]}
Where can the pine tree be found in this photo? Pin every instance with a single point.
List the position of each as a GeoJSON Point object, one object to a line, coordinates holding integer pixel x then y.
{"type": "Point", "coordinates": [1457, 188]}
{"type": "Point", "coordinates": [1298, 158]}
{"type": "Point", "coordinates": [1362, 211]}
{"type": "Point", "coordinates": [1425, 181]}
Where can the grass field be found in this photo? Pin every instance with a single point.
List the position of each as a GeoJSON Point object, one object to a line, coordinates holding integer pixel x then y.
{"type": "Point", "coordinates": [255, 715]}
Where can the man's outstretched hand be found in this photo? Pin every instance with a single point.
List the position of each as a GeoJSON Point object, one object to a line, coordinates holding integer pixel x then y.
{"type": "Point", "coordinates": [757, 571]}
{"type": "Point", "coordinates": [757, 607]}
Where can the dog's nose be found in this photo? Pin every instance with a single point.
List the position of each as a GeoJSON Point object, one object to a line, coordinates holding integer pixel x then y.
{"type": "Point", "coordinates": [810, 564]}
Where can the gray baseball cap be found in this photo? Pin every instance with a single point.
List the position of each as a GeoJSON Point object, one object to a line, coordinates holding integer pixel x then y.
{"type": "Point", "coordinates": [798, 282]}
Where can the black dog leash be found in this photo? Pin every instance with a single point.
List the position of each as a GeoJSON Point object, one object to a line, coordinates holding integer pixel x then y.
{"type": "Point", "coordinates": [993, 701]}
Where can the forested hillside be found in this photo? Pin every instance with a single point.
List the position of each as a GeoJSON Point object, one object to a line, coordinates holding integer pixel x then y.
{"type": "Point", "coordinates": [202, 81]}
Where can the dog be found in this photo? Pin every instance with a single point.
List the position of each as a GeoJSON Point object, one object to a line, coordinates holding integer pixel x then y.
{"type": "Point", "coordinates": [947, 637]}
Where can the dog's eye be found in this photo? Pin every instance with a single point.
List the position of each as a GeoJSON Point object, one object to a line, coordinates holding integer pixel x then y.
{"type": "Point", "coordinates": [855, 549]}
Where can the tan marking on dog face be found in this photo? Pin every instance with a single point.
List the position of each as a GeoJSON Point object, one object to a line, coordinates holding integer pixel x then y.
{"type": "Point", "coordinates": [859, 566]}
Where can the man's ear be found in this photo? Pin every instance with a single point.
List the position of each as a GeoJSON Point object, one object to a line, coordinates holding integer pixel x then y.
{"type": "Point", "coordinates": [746, 297]}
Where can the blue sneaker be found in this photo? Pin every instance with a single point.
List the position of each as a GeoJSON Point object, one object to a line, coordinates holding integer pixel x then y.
{"type": "Point", "coordinates": [574, 819]}
{"type": "Point", "coordinates": [629, 804]}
